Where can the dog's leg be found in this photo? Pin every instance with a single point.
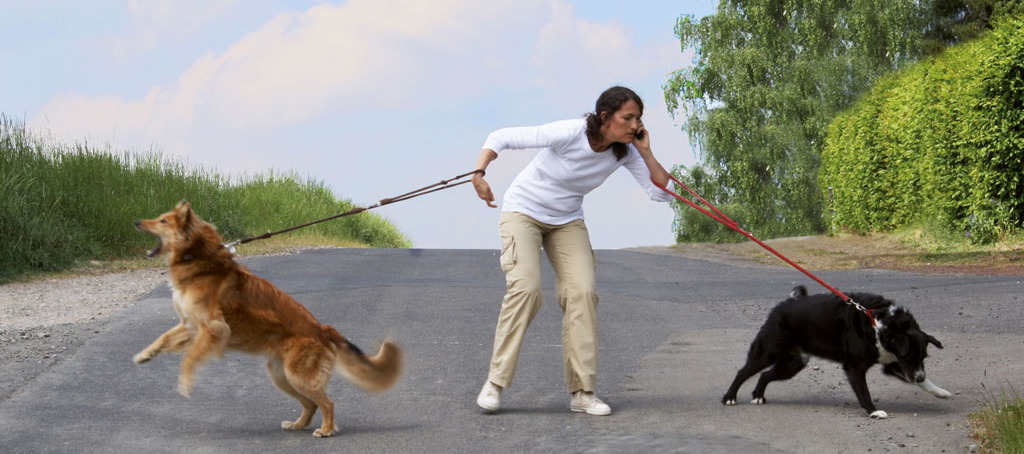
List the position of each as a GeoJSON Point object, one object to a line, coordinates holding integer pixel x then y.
{"type": "Point", "coordinates": [307, 367]}
{"type": "Point", "coordinates": [927, 385]}
{"type": "Point", "coordinates": [785, 367]}
{"type": "Point", "coordinates": [327, 410]}
{"type": "Point", "coordinates": [858, 380]}
{"type": "Point", "coordinates": [174, 340]}
{"type": "Point", "coordinates": [211, 339]}
{"type": "Point", "coordinates": [744, 373]}
{"type": "Point", "coordinates": [757, 360]}
{"type": "Point", "coordinates": [276, 369]}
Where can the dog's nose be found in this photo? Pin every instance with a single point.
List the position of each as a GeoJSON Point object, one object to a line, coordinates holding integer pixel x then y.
{"type": "Point", "coordinates": [919, 376]}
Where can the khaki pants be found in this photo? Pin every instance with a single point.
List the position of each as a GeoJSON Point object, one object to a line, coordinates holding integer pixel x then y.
{"type": "Point", "coordinates": [569, 251]}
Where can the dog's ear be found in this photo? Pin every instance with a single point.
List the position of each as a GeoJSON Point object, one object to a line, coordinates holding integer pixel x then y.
{"type": "Point", "coordinates": [184, 213]}
{"type": "Point", "coordinates": [932, 340]}
{"type": "Point", "coordinates": [188, 218]}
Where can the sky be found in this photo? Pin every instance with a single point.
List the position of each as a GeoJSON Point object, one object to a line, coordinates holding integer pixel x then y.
{"type": "Point", "coordinates": [374, 98]}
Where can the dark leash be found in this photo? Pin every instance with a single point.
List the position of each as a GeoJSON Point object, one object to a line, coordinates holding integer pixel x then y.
{"type": "Point", "coordinates": [724, 220]}
{"type": "Point", "coordinates": [439, 186]}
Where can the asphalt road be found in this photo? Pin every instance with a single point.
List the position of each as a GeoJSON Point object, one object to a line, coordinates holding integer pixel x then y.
{"type": "Point", "coordinates": [673, 331]}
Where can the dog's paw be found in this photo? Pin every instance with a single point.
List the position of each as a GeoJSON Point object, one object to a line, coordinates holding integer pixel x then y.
{"type": "Point", "coordinates": [141, 357]}
{"type": "Point", "coordinates": [879, 414]}
{"type": "Point", "coordinates": [729, 402]}
{"type": "Point", "coordinates": [758, 401]}
{"type": "Point", "coordinates": [290, 425]}
{"type": "Point", "coordinates": [321, 433]}
{"type": "Point", "coordinates": [185, 388]}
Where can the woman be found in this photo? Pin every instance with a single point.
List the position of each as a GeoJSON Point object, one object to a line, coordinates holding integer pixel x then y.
{"type": "Point", "coordinates": [543, 209]}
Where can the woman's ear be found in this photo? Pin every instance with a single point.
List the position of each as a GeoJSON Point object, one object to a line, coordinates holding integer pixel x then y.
{"type": "Point", "coordinates": [602, 115]}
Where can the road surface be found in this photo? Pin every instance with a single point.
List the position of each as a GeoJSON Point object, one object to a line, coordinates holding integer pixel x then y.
{"type": "Point", "coordinates": [673, 331]}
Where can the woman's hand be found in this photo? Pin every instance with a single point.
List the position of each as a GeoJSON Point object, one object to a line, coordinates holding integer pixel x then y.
{"type": "Point", "coordinates": [642, 139]}
{"type": "Point", "coordinates": [642, 142]}
{"type": "Point", "coordinates": [483, 190]}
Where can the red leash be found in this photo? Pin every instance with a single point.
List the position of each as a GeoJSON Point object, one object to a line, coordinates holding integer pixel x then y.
{"type": "Point", "coordinates": [722, 218]}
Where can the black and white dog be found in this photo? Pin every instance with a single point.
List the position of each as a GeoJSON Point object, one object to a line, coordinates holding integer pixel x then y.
{"type": "Point", "coordinates": [825, 326]}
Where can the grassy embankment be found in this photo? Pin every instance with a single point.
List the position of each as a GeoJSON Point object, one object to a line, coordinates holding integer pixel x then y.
{"type": "Point", "coordinates": [71, 207]}
{"type": "Point", "coordinates": [999, 426]}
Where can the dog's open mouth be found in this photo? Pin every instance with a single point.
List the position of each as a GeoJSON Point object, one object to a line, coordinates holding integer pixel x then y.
{"type": "Point", "coordinates": [156, 250]}
{"type": "Point", "coordinates": [159, 242]}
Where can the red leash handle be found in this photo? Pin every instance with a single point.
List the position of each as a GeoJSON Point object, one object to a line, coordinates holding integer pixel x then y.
{"type": "Point", "coordinates": [722, 218]}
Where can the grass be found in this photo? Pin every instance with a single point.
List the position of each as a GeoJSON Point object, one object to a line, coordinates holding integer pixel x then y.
{"type": "Point", "coordinates": [65, 206]}
{"type": "Point", "coordinates": [998, 427]}
{"type": "Point", "coordinates": [941, 244]}
{"type": "Point", "coordinates": [906, 250]}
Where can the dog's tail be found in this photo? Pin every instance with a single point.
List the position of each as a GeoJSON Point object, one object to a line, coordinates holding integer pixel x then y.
{"type": "Point", "coordinates": [375, 373]}
{"type": "Point", "coordinates": [798, 292]}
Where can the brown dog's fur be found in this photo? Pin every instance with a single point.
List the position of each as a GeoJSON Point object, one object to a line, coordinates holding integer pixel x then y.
{"type": "Point", "coordinates": [223, 306]}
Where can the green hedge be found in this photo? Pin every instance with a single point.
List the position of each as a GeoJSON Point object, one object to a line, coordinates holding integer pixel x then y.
{"type": "Point", "coordinates": [941, 142]}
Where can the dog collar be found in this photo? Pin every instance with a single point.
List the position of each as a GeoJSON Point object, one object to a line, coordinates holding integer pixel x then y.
{"type": "Point", "coordinates": [871, 314]}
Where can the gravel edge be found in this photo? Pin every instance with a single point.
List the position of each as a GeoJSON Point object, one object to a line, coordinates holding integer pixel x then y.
{"type": "Point", "coordinates": [44, 322]}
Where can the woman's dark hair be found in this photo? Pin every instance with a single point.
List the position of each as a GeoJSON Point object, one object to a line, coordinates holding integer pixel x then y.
{"type": "Point", "coordinates": [610, 101]}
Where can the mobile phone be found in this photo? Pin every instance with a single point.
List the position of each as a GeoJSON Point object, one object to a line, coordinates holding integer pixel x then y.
{"type": "Point", "coordinates": [640, 134]}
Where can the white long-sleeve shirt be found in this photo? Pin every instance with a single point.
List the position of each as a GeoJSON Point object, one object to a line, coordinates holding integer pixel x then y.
{"type": "Point", "coordinates": [551, 188]}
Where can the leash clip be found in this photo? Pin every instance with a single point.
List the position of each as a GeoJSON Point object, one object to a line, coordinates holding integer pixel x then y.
{"type": "Point", "coordinates": [869, 312]}
{"type": "Point", "coordinates": [857, 306]}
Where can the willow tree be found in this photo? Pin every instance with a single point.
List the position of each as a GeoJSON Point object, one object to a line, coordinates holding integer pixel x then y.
{"type": "Point", "coordinates": [767, 78]}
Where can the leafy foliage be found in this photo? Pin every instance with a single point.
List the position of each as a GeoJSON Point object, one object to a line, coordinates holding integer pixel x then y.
{"type": "Point", "coordinates": [692, 225]}
{"type": "Point", "coordinates": [770, 75]}
{"type": "Point", "coordinates": [942, 142]}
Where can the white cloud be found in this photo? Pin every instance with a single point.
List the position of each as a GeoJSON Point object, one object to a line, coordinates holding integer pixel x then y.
{"type": "Point", "coordinates": [570, 48]}
{"type": "Point", "coordinates": [384, 54]}
{"type": "Point", "coordinates": [153, 21]}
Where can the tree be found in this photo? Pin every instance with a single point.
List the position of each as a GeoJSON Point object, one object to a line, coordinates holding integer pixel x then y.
{"type": "Point", "coordinates": [769, 76]}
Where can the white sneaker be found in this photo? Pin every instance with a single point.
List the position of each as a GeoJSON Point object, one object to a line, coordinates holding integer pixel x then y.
{"type": "Point", "coordinates": [584, 402]}
{"type": "Point", "coordinates": [490, 397]}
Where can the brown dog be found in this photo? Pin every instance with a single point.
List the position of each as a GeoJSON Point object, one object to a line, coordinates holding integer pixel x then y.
{"type": "Point", "coordinates": [223, 306]}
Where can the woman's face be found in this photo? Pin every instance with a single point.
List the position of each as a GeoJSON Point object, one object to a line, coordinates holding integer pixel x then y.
{"type": "Point", "coordinates": [622, 125]}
